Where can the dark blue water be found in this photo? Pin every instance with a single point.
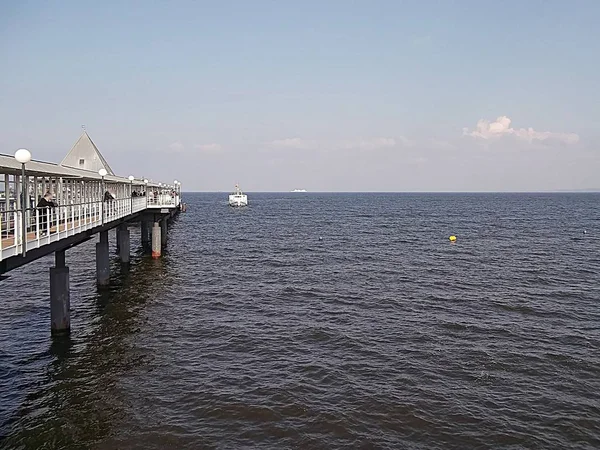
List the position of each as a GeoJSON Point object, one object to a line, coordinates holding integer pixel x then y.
{"type": "Point", "coordinates": [321, 321]}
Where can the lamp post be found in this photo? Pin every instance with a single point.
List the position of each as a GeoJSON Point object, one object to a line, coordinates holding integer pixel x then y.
{"type": "Point", "coordinates": [146, 190]}
{"type": "Point", "coordinates": [102, 172]}
{"type": "Point", "coordinates": [131, 177]}
{"type": "Point", "coordinates": [23, 156]}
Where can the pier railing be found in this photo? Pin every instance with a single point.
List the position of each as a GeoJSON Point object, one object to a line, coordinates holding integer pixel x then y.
{"type": "Point", "coordinates": [47, 225]}
{"type": "Point", "coordinates": [163, 201]}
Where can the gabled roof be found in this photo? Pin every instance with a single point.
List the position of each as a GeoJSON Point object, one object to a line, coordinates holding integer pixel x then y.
{"type": "Point", "coordinates": [85, 155]}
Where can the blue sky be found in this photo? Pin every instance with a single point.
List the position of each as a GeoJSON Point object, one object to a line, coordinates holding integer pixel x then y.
{"type": "Point", "coordinates": [329, 95]}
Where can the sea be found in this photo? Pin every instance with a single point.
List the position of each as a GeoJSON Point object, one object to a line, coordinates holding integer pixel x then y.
{"type": "Point", "coordinates": [320, 321]}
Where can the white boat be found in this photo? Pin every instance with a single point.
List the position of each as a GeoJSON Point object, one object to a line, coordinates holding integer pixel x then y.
{"type": "Point", "coordinates": [238, 198]}
{"type": "Point", "coordinates": [299, 190]}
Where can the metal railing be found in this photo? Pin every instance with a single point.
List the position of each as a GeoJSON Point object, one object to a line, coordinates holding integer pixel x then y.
{"type": "Point", "coordinates": [47, 225]}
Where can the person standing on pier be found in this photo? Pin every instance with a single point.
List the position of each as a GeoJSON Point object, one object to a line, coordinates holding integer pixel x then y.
{"type": "Point", "coordinates": [110, 207]}
{"type": "Point", "coordinates": [44, 206]}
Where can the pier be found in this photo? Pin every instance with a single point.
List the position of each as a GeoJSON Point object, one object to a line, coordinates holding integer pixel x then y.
{"type": "Point", "coordinates": [48, 208]}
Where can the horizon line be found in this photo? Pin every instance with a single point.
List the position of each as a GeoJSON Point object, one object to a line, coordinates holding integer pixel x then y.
{"type": "Point", "coordinates": [559, 191]}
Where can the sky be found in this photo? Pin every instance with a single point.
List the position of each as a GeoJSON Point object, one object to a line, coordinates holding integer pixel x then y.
{"type": "Point", "coordinates": [328, 95]}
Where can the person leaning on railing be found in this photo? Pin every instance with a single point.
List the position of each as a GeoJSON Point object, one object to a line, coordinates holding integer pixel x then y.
{"type": "Point", "coordinates": [44, 206]}
{"type": "Point", "coordinates": [108, 198]}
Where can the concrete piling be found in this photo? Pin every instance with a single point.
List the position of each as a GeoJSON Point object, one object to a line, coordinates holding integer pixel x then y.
{"type": "Point", "coordinates": [163, 231]}
{"type": "Point", "coordinates": [145, 232]}
{"type": "Point", "coordinates": [102, 260]}
{"type": "Point", "coordinates": [124, 243]}
{"type": "Point", "coordinates": [60, 301]}
{"type": "Point", "coordinates": [156, 240]}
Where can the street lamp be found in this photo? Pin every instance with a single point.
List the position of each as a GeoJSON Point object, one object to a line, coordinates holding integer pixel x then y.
{"type": "Point", "coordinates": [175, 190]}
{"type": "Point", "coordinates": [23, 156]}
{"type": "Point", "coordinates": [102, 172]}
{"type": "Point", "coordinates": [131, 178]}
{"type": "Point", "coordinates": [146, 190]}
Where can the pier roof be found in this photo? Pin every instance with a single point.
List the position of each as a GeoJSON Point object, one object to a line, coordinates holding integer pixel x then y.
{"type": "Point", "coordinates": [85, 155]}
{"type": "Point", "coordinates": [9, 165]}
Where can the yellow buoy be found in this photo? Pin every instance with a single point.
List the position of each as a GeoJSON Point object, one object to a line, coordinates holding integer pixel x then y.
{"type": "Point", "coordinates": [452, 238]}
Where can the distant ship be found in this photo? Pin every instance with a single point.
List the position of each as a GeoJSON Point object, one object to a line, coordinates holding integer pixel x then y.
{"type": "Point", "coordinates": [238, 198]}
{"type": "Point", "coordinates": [299, 190]}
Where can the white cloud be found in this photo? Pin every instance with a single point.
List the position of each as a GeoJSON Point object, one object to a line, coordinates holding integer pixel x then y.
{"type": "Point", "coordinates": [501, 127]}
{"type": "Point", "coordinates": [208, 147]}
{"type": "Point", "coordinates": [177, 146]}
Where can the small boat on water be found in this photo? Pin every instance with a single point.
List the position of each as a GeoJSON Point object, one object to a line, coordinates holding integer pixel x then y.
{"type": "Point", "coordinates": [238, 198]}
{"type": "Point", "coordinates": [299, 190]}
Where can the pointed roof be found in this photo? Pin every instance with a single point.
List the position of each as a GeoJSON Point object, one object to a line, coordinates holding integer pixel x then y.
{"type": "Point", "coordinates": [85, 155]}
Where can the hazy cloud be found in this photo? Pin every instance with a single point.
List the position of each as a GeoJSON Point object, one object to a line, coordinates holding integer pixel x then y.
{"type": "Point", "coordinates": [501, 127]}
{"type": "Point", "coordinates": [177, 146]}
{"type": "Point", "coordinates": [369, 144]}
{"type": "Point", "coordinates": [208, 147]}
{"type": "Point", "coordinates": [437, 144]}
{"type": "Point", "coordinates": [362, 144]}
{"type": "Point", "coordinates": [295, 142]}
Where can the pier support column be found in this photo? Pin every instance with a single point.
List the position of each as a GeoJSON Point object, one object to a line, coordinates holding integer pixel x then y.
{"type": "Point", "coordinates": [102, 260]}
{"type": "Point", "coordinates": [118, 239]}
{"type": "Point", "coordinates": [145, 233]}
{"type": "Point", "coordinates": [60, 300]}
{"type": "Point", "coordinates": [163, 232]}
{"type": "Point", "coordinates": [156, 240]}
{"type": "Point", "coordinates": [123, 239]}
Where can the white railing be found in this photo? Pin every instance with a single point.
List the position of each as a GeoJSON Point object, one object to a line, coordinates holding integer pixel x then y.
{"type": "Point", "coordinates": [47, 225]}
{"type": "Point", "coordinates": [162, 201]}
